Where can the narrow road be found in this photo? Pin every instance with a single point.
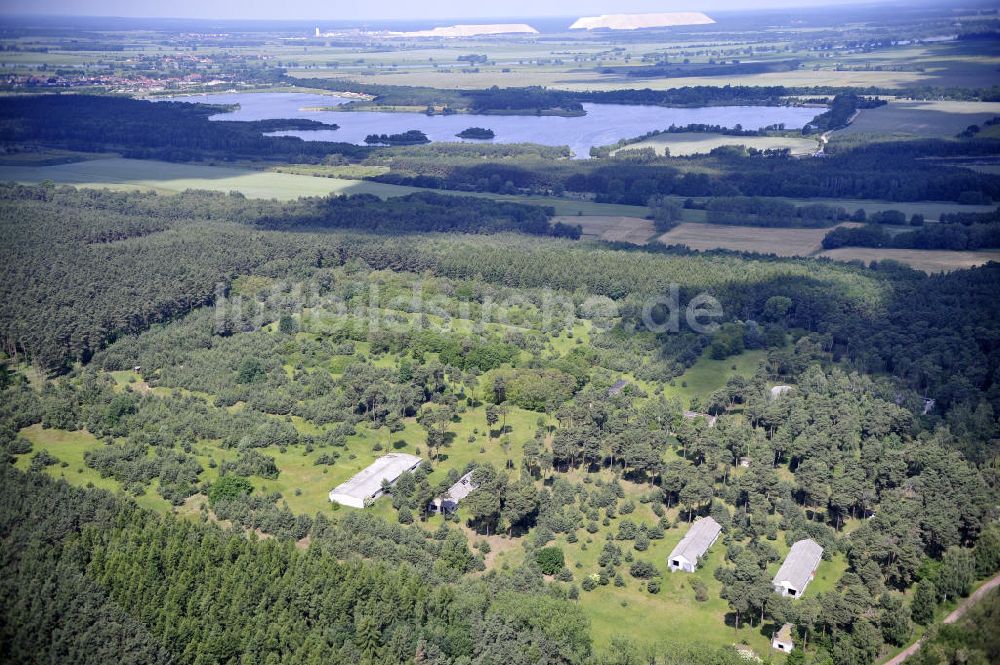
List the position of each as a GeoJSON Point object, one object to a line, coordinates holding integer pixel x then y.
{"type": "Point", "coordinates": [962, 608]}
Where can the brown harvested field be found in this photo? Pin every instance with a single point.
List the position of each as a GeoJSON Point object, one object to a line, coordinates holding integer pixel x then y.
{"type": "Point", "coordinates": [928, 260]}
{"type": "Point", "coordinates": [922, 118]}
{"type": "Point", "coordinates": [613, 228]}
{"type": "Point", "coordinates": [784, 242]}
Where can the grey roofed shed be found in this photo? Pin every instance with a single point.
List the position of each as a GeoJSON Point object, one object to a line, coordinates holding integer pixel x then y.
{"type": "Point", "coordinates": [461, 489]}
{"type": "Point", "coordinates": [693, 545]}
{"type": "Point", "coordinates": [798, 569]}
{"type": "Point", "coordinates": [366, 484]}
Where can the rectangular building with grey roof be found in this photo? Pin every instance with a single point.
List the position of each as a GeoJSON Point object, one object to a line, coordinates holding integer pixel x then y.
{"type": "Point", "coordinates": [693, 545]}
{"type": "Point", "coordinates": [366, 485]}
{"type": "Point", "coordinates": [798, 569]}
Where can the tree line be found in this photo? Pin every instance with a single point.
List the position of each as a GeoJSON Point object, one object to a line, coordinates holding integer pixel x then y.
{"type": "Point", "coordinates": [215, 596]}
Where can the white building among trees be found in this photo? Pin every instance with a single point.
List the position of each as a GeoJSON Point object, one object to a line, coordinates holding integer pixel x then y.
{"type": "Point", "coordinates": [693, 545]}
{"type": "Point", "coordinates": [782, 640]}
{"type": "Point", "coordinates": [798, 569]}
{"type": "Point", "coordinates": [366, 485]}
{"type": "Point", "coordinates": [448, 502]}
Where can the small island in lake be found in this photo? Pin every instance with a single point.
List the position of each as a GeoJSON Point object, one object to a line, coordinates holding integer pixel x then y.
{"type": "Point", "coordinates": [476, 133]}
{"type": "Point", "coordinates": [411, 137]}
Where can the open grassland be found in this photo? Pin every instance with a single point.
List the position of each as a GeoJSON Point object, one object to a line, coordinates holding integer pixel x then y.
{"type": "Point", "coordinates": [693, 143]}
{"type": "Point", "coordinates": [784, 242]}
{"type": "Point", "coordinates": [928, 260]}
{"type": "Point", "coordinates": [68, 448]}
{"type": "Point", "coordinates": [708, 375]}
{"type": "Point", "coordinates": [925, 118]}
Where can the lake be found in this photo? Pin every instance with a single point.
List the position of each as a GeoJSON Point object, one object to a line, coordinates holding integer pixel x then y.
{"type": "Point", "coordinates": [602, 125]}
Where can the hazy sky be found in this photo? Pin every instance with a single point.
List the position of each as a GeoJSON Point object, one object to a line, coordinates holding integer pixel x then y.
{"type": "Point", "coordinates": [378, 9]}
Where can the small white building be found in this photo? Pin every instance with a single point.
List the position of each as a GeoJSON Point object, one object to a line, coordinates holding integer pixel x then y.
{"type": "Point", "coordinates": [799, 568]}
{"type": "Point", "coordinates": [702, 535]}
{"type": "Point", "coordinates": [448, 502]}
{"type": "Point", "coordinates": [782, 640]}
{"type": "Point", "coordinates": [366, 485]}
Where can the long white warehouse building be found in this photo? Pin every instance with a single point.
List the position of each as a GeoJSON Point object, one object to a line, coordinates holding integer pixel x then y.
{"type": "Point", "coordinates": [366, 485]}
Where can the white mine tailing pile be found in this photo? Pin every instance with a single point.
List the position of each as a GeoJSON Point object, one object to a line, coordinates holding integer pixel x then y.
{"type": "Point", "coordinates": [638, 21]}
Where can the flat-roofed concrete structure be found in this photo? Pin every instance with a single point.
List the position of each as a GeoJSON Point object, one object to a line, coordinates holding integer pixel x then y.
{"type": "Point", "coordinates": [448, 502]}
{"type": "Point", "coordinates": [366, 485]}
{"type": "Point", "coordinates": [693, 545]}
{"type": "Point", "coordinates": [799, 568]}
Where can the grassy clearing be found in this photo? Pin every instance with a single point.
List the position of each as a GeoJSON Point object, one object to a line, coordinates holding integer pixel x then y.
{"type": "Point", "coordinates": [68, 448]}
{"type": "Point", "coordinates": [708, 375]}
{"type": "Point", "coordinates": [693, 143]}
{"type": "Point", "coordinates": [928, 260]}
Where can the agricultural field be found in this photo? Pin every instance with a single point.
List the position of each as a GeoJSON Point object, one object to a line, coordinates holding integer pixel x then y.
{"type": "Point", "coordinates": [168, 177]}
{"type": "Point", "coordinates": [928, 260]}
{"type": "Point", "coordinates": [288, 183]}
{"type": "Point", "coordinates": [923, 118]}
{"type": "Point", "coordinates": [780, 241]}
{"type": "Point", "coordinates": [613, 229]}
{"type": "Point", "coordinates": [683, 144]}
